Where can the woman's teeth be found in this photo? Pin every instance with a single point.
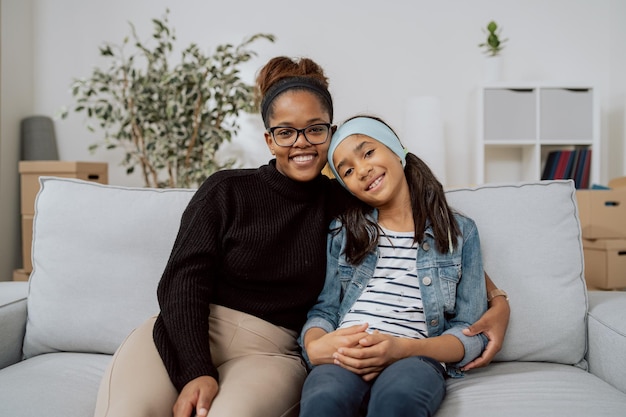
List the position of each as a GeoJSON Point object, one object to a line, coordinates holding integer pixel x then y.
{"type": "Point", "coordinates": [303, 158]}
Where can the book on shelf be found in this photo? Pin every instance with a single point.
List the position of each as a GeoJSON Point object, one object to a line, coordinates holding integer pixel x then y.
{"type": "Point", "coordinates": [586, 169]}
{"type": "Point", "coordinates": [563, 165]}
{"type": "Point", "coordinates": [568, 164]}
{"type": "Point", "coordinates": [550, 166]}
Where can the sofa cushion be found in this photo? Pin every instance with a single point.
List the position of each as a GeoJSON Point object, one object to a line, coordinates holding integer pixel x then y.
{"type": "Point", "coordinates": [54, 384]}
{"type": "Point", "coordinates": [98, 254]}
{"type": "Point", "coordinates": [607, 337]}
{"type": "Point", "coordinates": [12, 321]}
{"type": "Point", "coordinates": [522, 389]}
{"type": "Point", "coordinates": [530, 236]}
{"type": "Point", "coordinates": [99, 251]}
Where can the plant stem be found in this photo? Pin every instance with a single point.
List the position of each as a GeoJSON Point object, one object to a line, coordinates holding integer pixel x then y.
{"type": "Point", "coordinates": [196, 121]}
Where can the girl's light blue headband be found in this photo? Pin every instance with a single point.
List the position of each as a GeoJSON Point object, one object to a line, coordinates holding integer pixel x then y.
{"type": "Point", "coordinates": [368, 127]}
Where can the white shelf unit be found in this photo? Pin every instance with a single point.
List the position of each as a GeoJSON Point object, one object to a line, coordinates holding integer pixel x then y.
{"type": "Point", "coordinates": [520, 124]}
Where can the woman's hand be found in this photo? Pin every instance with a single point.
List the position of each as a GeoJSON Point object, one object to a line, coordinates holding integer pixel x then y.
{"type": "Point", "coordinates": [196, 396]}
{"type": "Point", "coordinates": [492, 324]}
{"type": "Point", "coordinates": [320, 346]}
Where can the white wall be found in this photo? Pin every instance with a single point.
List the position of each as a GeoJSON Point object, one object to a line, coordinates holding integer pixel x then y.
{"type": "Point", "coordinates": [616, 108]}
{"type": "Point", "coordinates": [377, 54]}
{"type": "Point", "coordinates": [16, 102]}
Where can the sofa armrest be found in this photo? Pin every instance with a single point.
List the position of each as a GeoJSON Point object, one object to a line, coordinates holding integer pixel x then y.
{"type": "Point", "coordinates": [607, 337]}
{"type": "Point", "coordinates": [12, 321]}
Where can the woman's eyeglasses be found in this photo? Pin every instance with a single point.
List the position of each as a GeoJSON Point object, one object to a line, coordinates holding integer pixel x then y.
{"type": "Point", "coordinates": [314, 134]}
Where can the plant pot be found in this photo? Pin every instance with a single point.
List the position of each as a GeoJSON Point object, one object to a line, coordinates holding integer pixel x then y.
{"type": "Point", "coordinates": [492, 70]}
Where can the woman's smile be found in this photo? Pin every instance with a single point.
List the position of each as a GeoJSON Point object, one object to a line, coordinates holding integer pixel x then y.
{"type": "Point", "coordinates": [303, 158]}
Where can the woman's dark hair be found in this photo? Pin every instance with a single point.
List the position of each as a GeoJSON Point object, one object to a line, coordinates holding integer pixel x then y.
{"type": "Point", "coordinates": [429, 205]}
{"type": "Point", "coordinates": [282, 68]}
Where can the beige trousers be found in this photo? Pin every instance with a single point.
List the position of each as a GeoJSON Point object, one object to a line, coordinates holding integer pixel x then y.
{"type": "Point", "coordinates": [261, 371]}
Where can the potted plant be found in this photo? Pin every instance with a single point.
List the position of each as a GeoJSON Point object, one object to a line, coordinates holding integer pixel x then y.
{"type": "Point", "coordinates": [492, 47]}
{"type": "Point", "coordinates": [170, 119]}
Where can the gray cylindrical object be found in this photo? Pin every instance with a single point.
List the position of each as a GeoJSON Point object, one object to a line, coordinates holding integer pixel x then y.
{"type": "Point", "coordinates": [38, 140]}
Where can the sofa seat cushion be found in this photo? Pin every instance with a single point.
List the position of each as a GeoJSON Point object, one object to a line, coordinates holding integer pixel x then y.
{"type": "Point", "coordinates": [54, 384]}
{"type": "Point", "coordinates": [531, 241]}
{"type": "Point", "coordinates": [522, 389]}
{"type": "Point", "coordinates": [98, 254]}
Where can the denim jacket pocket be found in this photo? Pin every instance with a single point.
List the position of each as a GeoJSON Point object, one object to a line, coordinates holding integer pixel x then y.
{"type": "Point", "coordinates": [345, 274]}
{"type": "Point", "coordinates": [449, 277]}
{"type": "Point", "coordinates": [353, 280]}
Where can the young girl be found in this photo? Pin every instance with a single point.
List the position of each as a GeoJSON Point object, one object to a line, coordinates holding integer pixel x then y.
{"type": "Point", "coordinates": [404, 268]}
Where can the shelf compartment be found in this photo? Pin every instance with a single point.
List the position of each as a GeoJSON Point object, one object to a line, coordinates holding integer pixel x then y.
{"type": "Point", "coordinates": [509, 114]}
{"type": "Point", "coordinates": [566, 114]}
{"type": "Point", "coordinates": [578, 169]}
{"type": "Point", "coordinates": [510, 163]}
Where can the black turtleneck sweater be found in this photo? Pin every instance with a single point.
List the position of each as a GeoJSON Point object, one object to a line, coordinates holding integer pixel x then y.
{"type": "Point", "coordinates": [252, 240]}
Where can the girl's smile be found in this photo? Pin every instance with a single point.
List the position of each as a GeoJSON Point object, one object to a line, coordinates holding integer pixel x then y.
{"type": "Point", "coordinates": [376, 183]}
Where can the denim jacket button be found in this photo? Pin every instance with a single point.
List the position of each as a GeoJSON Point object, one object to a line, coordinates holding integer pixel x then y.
{"type": "Point", "coordinates": [434, 322]}
{"type": "Point", "coordinates": [427, 281]}
{"type": "Point", "coordinates": [426, 246]}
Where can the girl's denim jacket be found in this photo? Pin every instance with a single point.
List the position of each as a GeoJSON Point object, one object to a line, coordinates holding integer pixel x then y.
{"type": "Point", "coordinates": [452, 286]}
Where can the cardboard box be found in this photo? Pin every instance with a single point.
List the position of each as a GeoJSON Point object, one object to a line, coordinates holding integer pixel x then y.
{"type": "Point", "coordinates": [602, 213]}
{"type": "Point", "coordinates": [30, 172]}
{"type": "Point", "coordinates": [20, 275]}
{"type": "Point", "coordinates": [27, 240]}
{"type": "Point", "coordinates": [605, 263]}
{"type": "Point", "coordinates": [619, 182]}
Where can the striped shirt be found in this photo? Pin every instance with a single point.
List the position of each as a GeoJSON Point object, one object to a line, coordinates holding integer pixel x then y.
{"type": "Point", "coordinates": [392, 301]}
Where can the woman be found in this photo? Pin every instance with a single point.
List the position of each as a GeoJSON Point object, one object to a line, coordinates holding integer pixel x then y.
{"type": "Point", "coordinates": [250, 257]}
{"type": "Point", "coordinates": [405, 271]}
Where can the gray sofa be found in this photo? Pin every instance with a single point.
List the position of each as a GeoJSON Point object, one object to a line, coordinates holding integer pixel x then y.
{"type": "Point", "coordinates": [98, 252]}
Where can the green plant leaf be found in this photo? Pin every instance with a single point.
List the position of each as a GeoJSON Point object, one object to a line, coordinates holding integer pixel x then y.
{"type": "Point", "coordinates": [494, 44]}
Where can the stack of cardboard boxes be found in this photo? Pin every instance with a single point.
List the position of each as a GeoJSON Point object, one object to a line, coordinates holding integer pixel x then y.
{"type": "Point", "coordinates": [30, 171]}
{"type": "Point", "coordinates": [603, 222]}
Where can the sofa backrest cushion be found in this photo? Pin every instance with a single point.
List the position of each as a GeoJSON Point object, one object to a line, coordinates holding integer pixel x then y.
{"type": "Point", "coordinates": [99, 251]}
{"type": "Point", "coordinates": [98, 254]}
{"type": "Point", "coordinates": [531, 242]}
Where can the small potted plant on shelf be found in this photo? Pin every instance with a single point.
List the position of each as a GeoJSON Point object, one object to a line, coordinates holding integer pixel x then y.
{"type": "Point", "coordinates": [170, 119]}
{"type": "Point", "coordinates": [492, 47]}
